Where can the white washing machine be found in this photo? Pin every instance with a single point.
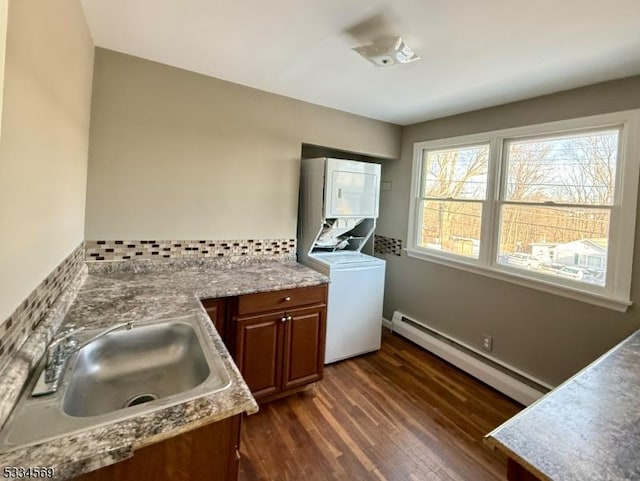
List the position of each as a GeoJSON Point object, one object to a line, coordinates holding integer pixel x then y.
{"type": "Point", "coordinates": [354, 309]}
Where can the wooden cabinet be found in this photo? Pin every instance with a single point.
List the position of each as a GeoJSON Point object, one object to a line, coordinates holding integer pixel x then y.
{"type": "Point", "coordinates": [258, 352]}
{"type": "Point", "coordinates": [276, 338]}
{"type": "Point", "coordinates": [209, 452]}
{"type": "Point", "coordinates": [217, 311]}
{"type": "Point", "coordinates": [277, 301]}
{"type": "Point", "coordinates": [279, 340]}
{"type": "Point", "coordinates": [516, 472]}
{"type": "Point", "coordinates": [303, 347]}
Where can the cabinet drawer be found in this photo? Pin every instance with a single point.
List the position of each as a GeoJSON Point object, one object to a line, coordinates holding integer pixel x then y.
{"type": "Point", "coordinates": [285, 299]}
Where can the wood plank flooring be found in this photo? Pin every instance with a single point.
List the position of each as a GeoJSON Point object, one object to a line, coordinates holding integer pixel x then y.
{"type": "Point", "coordinates": [398, 414]}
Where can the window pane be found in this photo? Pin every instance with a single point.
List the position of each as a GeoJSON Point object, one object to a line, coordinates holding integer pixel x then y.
{"type": "Point", "coordinates": [459, 173]}
{"type": "Point", "coordinates": [578, 169]}
{"type": "Point", "coordinates": [570, 243]}
{"type": "Point", "coordinates": [452, 227]}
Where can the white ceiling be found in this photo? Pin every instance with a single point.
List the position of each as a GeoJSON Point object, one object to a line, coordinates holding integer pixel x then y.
{"type": "Point", "coordinates": [474, 53]}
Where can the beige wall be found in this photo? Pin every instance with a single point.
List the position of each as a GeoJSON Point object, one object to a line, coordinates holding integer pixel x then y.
{"type": "Point", "coordinates": [43, 148]}
{"type": "Point", "coordinates": [4, 11]}
{"type": "Point", "coordinates": [548, 336]}
{"type": "Point", "coordinates": [177, 155]}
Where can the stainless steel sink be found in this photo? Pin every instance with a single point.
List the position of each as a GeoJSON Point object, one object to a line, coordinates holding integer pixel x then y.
{"type": "Point", "coordinates": [126, 368]}
{"type": "Point", "coordinates": [120, 375]}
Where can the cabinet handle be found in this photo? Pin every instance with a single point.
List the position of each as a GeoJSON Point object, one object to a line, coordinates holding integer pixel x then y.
{"type": "Point", "coordinates": [287, 299]}
{"type": "Point", "coordinates": [289, 318]}
{"type": "Point", "coordinates": [283, 319]}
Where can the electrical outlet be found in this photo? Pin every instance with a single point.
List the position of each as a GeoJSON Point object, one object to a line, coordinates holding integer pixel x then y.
{"type": "Point", "coordinates": [487, 342]}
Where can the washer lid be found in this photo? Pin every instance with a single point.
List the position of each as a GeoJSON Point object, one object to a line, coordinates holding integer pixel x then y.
{"type": "Point", "coordinates": [334, 258]}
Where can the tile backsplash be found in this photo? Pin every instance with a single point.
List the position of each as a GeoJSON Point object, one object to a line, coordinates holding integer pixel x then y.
{"type": "Point", "coordinates": [17, 327]}
{"type": "Point", "coordinates": [117, 250]}
{"type": "Point", "coordinates": [387, 245]}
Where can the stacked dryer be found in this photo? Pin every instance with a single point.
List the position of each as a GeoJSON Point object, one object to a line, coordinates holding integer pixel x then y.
{"type": "Point", "coordinates": [337, 213]}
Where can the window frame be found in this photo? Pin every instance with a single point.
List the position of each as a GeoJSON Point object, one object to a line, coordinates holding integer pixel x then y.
{"type": "Point", "coordinates": [616, 293]}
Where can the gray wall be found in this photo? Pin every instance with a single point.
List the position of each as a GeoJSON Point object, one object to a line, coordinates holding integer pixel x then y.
{"type": "Point", "coordinates": [45, 137]}
{"type": "Point", "coordinates": [547, 336]}
{"type": "Point", "coordinates": [177, 155]}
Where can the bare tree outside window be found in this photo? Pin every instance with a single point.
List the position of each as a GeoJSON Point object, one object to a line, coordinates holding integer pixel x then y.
{"type": "Point", "coordinates": [558, 195]}
{"type": "Point", "coordinates": [591, 173]}
{"type": "Point", "coordinates": [454, 186]}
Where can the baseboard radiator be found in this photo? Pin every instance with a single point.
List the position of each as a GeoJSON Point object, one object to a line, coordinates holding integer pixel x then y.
{"type": "Point", "coordinates": [502, 377]}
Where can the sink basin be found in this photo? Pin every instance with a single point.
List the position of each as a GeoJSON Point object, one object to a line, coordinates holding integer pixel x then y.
{"type": "Point", "coordinates": [123, 374]}
{"type": "Point", "coordinates": [128, 368]}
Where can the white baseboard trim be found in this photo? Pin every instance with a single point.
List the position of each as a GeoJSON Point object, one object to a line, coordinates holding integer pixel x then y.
{"type": "Point", "coordinates": [493, 376]}
{"type": "Point", "coordinates": [387, 323]}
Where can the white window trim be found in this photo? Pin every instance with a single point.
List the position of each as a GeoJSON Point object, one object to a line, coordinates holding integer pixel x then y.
{"type": "Point", "coordinates": [616, 294]}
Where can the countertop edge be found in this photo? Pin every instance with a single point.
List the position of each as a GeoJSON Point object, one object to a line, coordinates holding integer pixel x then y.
{"type": "Point", "coordinates": [492, 441]}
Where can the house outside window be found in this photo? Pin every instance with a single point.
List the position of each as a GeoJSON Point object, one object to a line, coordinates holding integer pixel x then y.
{"type": "Point", "coordinates": [549, 206]}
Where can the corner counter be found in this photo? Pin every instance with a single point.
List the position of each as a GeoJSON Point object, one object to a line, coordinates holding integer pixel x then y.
{"type": "Point", "coordinates": [586, 429]}
{"type": "Point", "coordinates": [115, 292]}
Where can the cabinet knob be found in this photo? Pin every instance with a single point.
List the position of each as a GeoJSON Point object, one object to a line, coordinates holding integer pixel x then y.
{"type": "Point", "coordinates": [283, 319]}
{"type": "Point", "coordinates": [287, 299]}
{"type": "Point", "coordinates": [289, 318]}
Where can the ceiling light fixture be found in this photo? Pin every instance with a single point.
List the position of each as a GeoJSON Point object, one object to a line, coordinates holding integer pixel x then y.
{"type": "Point", "coordinates": [387, 51]}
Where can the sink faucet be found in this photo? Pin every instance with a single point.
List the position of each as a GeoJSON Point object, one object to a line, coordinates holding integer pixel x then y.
{"type": "Point", "coordinates": [58, 353]}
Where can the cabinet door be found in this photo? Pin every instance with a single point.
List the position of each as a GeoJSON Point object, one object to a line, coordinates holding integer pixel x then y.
{"type": "Point", "coordinates": [217, 313]}
{"type": "Point", "coordinates": [259, 351]}
{"type": "Point", "coordinates": [234, 454]}
{"type": "Point", "coordinates": [206, 453]}
{"type": "Point", "coordinates": [303, 349]}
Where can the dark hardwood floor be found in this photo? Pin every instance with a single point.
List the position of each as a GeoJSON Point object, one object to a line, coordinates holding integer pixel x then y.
{"type": "Point", "coordinates": [398, 414]}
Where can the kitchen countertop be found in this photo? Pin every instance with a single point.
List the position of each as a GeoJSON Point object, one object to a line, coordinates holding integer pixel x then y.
{"type": "Point", "coordinates": [114, 292]}
{"type": "Point", "coordinates": [586, 429]}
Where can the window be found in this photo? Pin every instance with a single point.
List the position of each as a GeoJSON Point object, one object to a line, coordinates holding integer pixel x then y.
{"type": "Point", "coordinates": [559, 192]}
{"type": "Point", "coordinates": [454, 189]}
{"type": "Point", "coordinates": [550, 206]}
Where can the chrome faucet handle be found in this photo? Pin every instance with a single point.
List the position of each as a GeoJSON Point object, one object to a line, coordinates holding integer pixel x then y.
{"type": "Point", "coordinates": [65, 334]}
{"type": "Point", "coordinates": [58, 351]}
{"type": "Point", "coordinates": [60, 344]}
{"type": "Point", "coordinates": [70, 329]}
{"type": "Point", "coordinates": [62, 334]}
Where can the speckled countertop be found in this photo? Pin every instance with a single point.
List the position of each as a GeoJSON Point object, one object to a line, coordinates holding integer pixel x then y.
{"type": "Point", "coordinates": [110, 293]}
{"type": "Point", "coordinates": [586, 429]}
